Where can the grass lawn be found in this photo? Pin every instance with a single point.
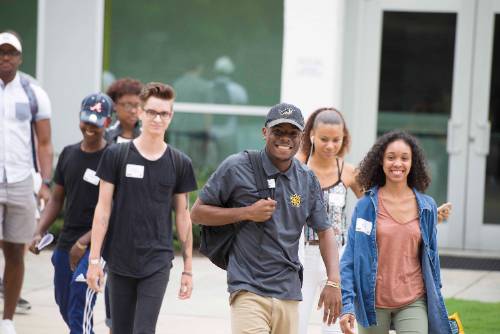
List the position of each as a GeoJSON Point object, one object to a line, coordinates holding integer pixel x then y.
{"type": "Point", "coordinates": [477, 317]}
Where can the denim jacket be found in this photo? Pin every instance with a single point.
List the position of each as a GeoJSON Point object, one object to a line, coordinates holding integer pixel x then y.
{"type": "Point", "coordinates": [358, 266]}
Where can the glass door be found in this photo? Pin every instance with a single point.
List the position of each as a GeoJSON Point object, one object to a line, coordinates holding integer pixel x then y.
{"type": "Point", "coordinates": [418, 58]}
{"type": "Point", "coordinates": [416, 76]}
{"type": "Point", "coordinates": [482, 230]}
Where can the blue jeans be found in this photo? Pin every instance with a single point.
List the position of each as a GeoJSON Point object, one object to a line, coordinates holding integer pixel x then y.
{"type": "Point", "coordinates": [76, 304]}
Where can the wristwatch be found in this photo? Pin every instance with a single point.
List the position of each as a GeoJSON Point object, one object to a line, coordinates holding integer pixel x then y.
{"type": "Point", "coordinates": [95, 261]}
{"type": "Point", "coordinates": [47, 182]}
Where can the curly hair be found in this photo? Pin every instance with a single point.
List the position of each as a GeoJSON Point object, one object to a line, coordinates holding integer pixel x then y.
{"type": "Point", "coordinates": [324, 116]}
{"type": "Point", "coordinates": [371, 172]}
{"type": "Point", "coordinates": [124, 86]}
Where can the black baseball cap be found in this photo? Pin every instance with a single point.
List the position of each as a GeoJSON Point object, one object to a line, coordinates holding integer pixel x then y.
{"type": "Point", "coordinates": [96, 108]}
{"type": "Point", "coordinates": [285, 113]}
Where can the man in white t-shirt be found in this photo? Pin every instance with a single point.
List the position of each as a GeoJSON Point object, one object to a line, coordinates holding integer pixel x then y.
{"type": "Point", "coordinates": [22, 130]}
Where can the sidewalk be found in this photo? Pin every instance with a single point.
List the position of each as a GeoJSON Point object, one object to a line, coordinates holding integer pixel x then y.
{"type": "Point", "coordinates": [207, 311]}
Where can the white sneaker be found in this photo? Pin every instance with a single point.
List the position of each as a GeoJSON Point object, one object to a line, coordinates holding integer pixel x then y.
{"type": "Point", "coordinates": [7, 327]}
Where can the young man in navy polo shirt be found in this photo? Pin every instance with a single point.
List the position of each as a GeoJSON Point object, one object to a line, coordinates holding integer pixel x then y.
{"type": "Point", "coordinates": [77, 187]}
{"type": "Point", "coordinates": [132, 222]}
{"type": "Point", "coordinates": [264, 272]}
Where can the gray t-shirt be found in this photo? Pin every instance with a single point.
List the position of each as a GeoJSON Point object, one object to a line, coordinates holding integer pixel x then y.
{"type": "Point", "coordinates": [264, 258]}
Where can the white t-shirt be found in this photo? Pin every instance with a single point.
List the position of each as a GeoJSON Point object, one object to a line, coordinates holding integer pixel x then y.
{"type": "Point", "coordinates": [16, 159]}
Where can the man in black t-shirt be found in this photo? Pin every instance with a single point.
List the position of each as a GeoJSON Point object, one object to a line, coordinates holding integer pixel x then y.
{"type": "Point", "coordinates": [76, 182]}
{"type": "Point", "coordinates": [141, 183]}
{"type": "Point", "coordinates": [125, 95]}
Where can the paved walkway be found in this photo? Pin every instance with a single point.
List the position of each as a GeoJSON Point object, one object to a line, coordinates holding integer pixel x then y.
{"type": "Point", "coordinates": [207, 311]}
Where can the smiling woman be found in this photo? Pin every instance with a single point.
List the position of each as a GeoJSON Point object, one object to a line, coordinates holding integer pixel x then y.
{"type": "Point", "coordinates": [402, 220]}
{"type": "Point", "coordinates": [372, 174]}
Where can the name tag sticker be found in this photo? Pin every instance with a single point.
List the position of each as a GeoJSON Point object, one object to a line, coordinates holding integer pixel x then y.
{"type": "Point", "coordinates": [336, 199]}
{"type": "Point", "coordinates": [364, 226]}
{"type": "Point", "coordinates": [90, 177]}
{"type": "Point", "coordinates": [135, 171]}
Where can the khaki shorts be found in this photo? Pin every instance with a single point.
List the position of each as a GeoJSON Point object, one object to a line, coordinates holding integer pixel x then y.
{"type": "Point", "coordinates": [254, 314]}
{"type": "Point", "coordinates": [17, 211]}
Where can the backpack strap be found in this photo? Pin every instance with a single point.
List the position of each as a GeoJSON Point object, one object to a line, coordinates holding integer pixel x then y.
{"type": "Point", "coordinates": [260, 176]}
{"type": "Point", "coordinates": [123, 149]}
{"type": "Point", "coordinates": [176, 158]}
{"type": "Point", "coordinates": [25, 83]}
{"type": "Point", "coordinates": [261, 182]}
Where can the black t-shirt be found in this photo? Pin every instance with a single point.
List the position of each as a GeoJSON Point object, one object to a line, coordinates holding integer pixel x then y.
{"type": "Point", "coordinates": [139, 238]}
{"type": "Point", "coordinates": [75, 172]}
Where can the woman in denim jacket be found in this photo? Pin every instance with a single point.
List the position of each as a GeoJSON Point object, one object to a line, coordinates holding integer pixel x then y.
{"type": "Point", "coordinates": [390, 268]}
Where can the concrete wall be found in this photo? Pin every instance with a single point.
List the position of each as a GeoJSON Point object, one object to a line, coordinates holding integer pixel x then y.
{"type": "Point", "coordinates": [69, 60]}
{"type": "Point", "coordinates": [312, 54]}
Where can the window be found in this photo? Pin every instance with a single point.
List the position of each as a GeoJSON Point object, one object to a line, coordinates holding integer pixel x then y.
{"type": "Point", "coordinates": [212, 51]}
{"type": "Point", "coordinates": [21, 16]}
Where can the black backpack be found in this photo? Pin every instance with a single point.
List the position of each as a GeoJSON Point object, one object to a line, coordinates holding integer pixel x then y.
{"type": "Point", "coordinates": [217, 241]}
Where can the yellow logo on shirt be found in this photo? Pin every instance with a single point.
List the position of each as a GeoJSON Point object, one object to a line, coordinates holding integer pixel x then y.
{"type": "Point", "coordinates": [295, 200]}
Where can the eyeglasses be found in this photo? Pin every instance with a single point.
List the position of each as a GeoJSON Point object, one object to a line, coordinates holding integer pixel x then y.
{"type": "Point", "coordinates": [129, 106]}
{"type": "Point", "coordinates": [11, 53]}
{"type": "Point", "coordinates": [164, 115]}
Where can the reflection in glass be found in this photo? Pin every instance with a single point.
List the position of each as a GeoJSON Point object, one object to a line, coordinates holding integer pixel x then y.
{"type": "Point", "coordinates": [416, 77]}
{"type": "Point", "coordinates": [492, 181]}
{"type": "Point", "coordinates": [191, 86]}
{"type": "Point", "coordinates": [225, 90]}
{"type": "Point", "coordinates": [192, 43]}
{"type": "Point", "coordinates": [208, 139]}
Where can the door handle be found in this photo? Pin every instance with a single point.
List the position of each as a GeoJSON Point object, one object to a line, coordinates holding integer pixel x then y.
{"type": "Point", "coordinates": [452, 147]}
{"type": "Point", "coordinates": [481, 138]}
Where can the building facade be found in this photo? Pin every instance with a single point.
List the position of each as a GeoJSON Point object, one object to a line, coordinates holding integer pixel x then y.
{"type": "Point", "coordinates": [430, 67]}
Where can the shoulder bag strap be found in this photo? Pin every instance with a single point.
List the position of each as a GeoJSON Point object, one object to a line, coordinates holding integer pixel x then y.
{"type": "Point", "coordinates": [34, 110]}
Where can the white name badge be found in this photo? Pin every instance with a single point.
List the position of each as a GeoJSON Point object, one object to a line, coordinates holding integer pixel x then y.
{"type": "Point", "coordinates": [135, 171]}
{"type": "Point", "coordinates": [90, 177]}
{"type": "Point", "coordinates": [336, 199]}
{"type": "Point", "coordinates": [364, 226]}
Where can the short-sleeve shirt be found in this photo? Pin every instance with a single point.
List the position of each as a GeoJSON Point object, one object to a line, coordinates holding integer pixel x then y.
{"type": "Point", "coordinates": [75, 172]}
{"type": "Point", "coordinates": [16, 160]}
{"type": "Point", "coordinates": [264, 257]}
{"type": "Point", "coordinates": [139, 238]}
